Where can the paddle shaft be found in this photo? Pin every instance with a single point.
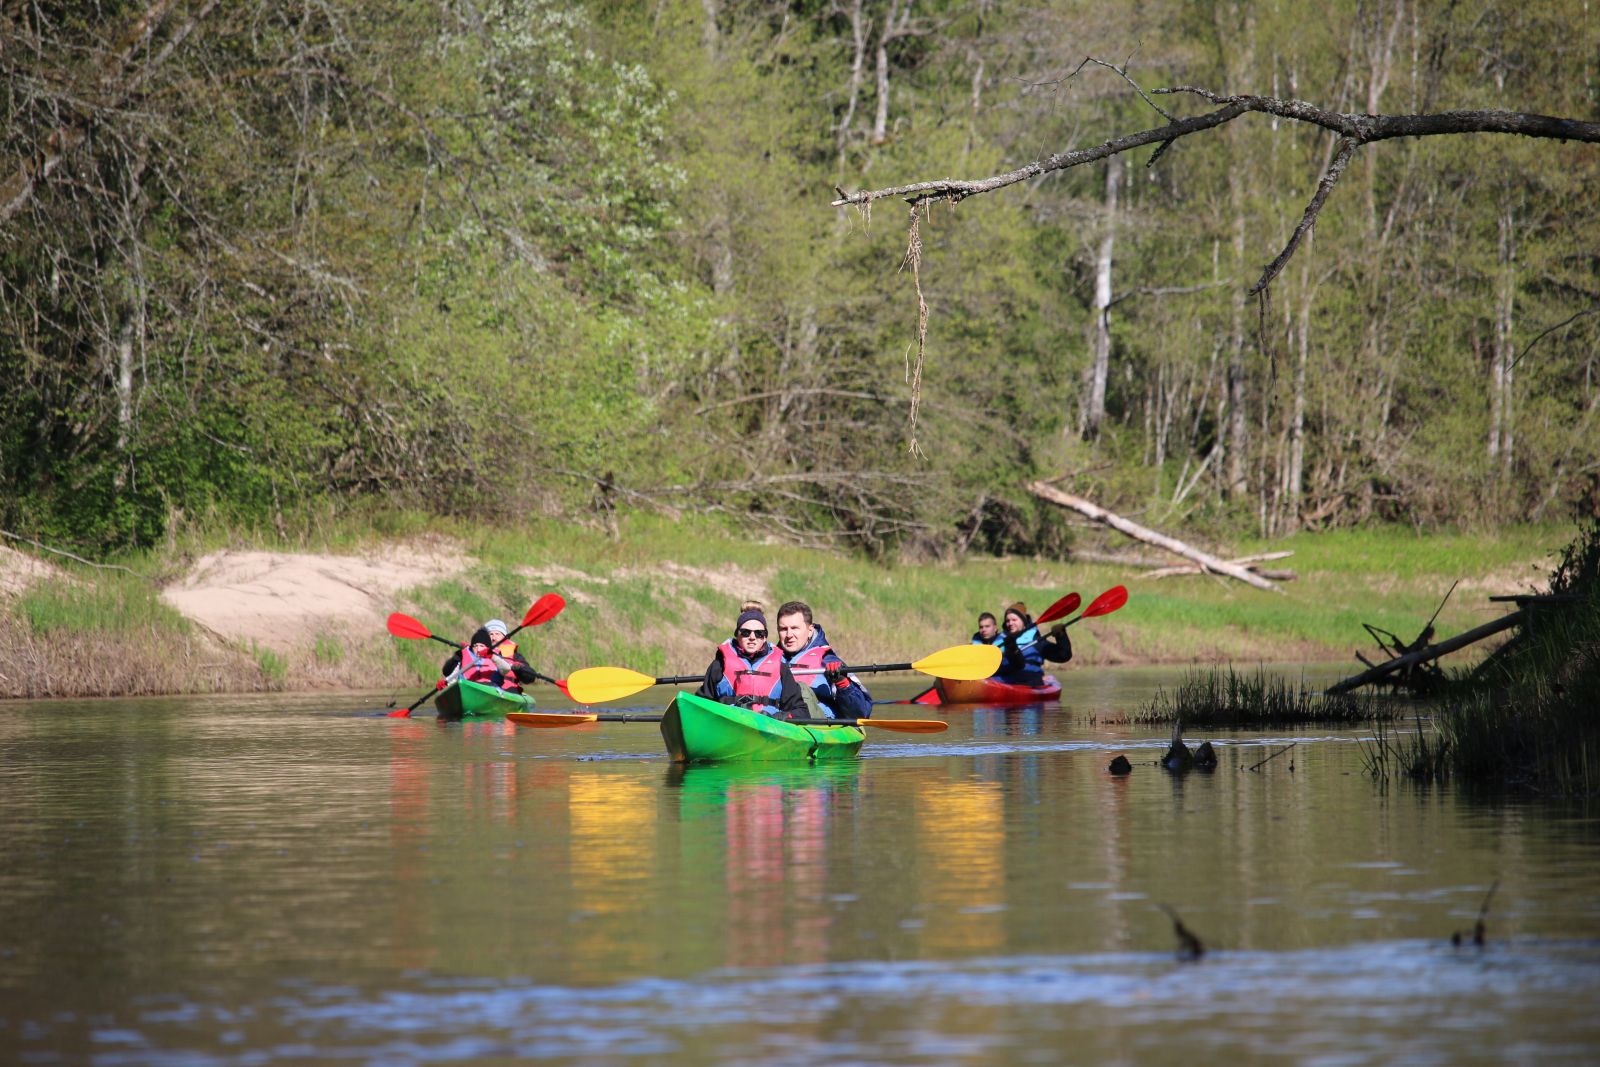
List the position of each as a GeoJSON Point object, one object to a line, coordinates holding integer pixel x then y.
{"type": "Point", "coordinates": [623, 716]}
{"type": "Point", "coordinates": [871, 668]}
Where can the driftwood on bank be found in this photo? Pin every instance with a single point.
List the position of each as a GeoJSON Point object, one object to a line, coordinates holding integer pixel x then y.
{"type": "Point", "coordinates": [1247, 562]}
{"type": "Point", "coordinates": [1205, 560]}
{"type": "Point", "coordinates": [1428, 653]}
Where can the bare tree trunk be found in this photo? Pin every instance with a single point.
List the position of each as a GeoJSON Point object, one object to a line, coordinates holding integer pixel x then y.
{"type": "Point", "coordinates": [858, 62]}
{"type": "Point", "coordinates": [896, 23]}
{"type": "Point", "coordinates": [1294, 486]}
{"type": "Point", "coordinates": [708, 28]}
{"type": "Point", "coordinates": [880, 115]}
{"type": "Point", "coordinates": [1094, 408]}
{"type": "Point", "coordinates": [1502, 434]}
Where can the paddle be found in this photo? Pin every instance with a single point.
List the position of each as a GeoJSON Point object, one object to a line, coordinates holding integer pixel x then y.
{"type": "Point", "coordinates": [542, 611]}
{"type": "Point", "coordinates": [1104, 604]}
{"type": "Point", "coordinates": [597, 685]}
{"type": "Point", "coordinates": [554, 719]}
{"type": "Point", "coordinates": [1060, 609]}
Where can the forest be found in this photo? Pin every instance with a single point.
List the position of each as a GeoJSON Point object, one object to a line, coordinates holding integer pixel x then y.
{"type": "Point", "coordinates": [490, 259]}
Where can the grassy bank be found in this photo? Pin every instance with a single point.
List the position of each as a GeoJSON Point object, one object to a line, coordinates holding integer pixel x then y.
{"type": "Point", "coordinates": [659, 595]}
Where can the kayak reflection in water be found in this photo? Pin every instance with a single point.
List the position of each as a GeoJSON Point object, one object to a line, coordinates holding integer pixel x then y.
{"type": "Point", "coordinates": [751, 673]}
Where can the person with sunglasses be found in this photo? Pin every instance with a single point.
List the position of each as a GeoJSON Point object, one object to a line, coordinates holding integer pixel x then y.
{"type": "Point", "coordinates": [750, 672]}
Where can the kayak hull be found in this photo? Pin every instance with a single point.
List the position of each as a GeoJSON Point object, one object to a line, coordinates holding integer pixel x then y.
{"type": "Point", "coordinates": [472, 700]}
{"type": "Point", "coordinates": [992, 692]}
{"type": "Point", "coordinates": [703, 731]}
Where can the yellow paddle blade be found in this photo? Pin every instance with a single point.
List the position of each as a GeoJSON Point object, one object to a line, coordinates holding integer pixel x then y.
{"type": "Point", "coordinates": [596, 685]}
{"type": "Point", "coordinates": [961, 663]}
{"type": "Point", "coordinates": [906, 726]}
{"type": "Point", "coordinates": [548, 719]}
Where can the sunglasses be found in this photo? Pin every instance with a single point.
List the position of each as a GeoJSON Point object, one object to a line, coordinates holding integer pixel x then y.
{"type": "Point", "coordinates": [750, 633]}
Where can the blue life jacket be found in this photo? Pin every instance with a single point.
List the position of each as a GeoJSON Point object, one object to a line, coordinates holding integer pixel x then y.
{"type": "Point", "coordinates": [1031, 672]}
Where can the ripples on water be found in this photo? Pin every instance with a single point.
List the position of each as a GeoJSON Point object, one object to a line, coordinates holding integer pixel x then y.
{"type": "Point", "coordinates": [271, 880]}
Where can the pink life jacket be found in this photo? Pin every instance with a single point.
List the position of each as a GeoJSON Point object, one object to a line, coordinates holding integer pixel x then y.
{"type": "Point", "coordinates": [762, 680]}
{"type": "Point", "coordinates": [810, 659]}
{"type": "Point", "coordinates": [481, 669]}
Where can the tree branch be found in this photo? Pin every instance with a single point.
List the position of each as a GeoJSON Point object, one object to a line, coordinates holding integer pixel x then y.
{"type": "Point", "coordinates": [1354, 130]}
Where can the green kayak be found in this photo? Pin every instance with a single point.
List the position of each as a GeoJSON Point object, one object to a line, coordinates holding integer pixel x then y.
{"type": "Point", "coordinates": [472, 700]}
{"type": "Point", "coordinates": [703, 731]}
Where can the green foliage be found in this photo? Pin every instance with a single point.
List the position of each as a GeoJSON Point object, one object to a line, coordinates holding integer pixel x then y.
{"type": "Point", "coordinates": [111, 603]}
{"type": "Point", "coordinates": [470, 259]}
{"type": "Point", "coordinates": [274, 667]}
{"type": "Point", "coordinates": [328, 650]}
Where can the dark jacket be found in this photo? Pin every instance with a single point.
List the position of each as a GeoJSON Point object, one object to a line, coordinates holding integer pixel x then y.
{"type": "Point", "coordinates": [1021, 658]}
{"type": "Point", "coordinates": [791, 705]}
{"type": "Point", "coordinates": [520, 669]}
{"type": "Point", "coordinates": [1056, 646]}
{"type": "Point", "coordinates": [847, 700]}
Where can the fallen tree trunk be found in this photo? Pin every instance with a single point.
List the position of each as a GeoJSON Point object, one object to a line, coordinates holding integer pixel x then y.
{"type": "Point", "coordinates": [1247, 562]}
{"type": "Point", "coordinates": [1149, 537]}
{"type": "Point", "coordinates": [1431, 652]}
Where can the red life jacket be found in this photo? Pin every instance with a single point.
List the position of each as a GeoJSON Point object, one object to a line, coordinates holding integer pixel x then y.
{"type": "Point", "coordinates": [481, 669]}
{"type": "Point", "coordinates": [762, 680]}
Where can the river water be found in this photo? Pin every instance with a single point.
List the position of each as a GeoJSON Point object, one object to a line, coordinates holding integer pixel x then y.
{"type": "Point", "coordinates": [238, 881]}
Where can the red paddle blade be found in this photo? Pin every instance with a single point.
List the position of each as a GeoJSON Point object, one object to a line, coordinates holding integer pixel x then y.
{"type": "Point", "coordinates": [544, 609]}
{"type": "Point", "coordinates": [561, 684]}
{"type": "Point", "coordinates": [407, 627]}
{"type": "Point", "coordinates": [1060, 609]}
{"type": "Point", "coordinates": [1107, 602]}
{"type": "Point", "coordinates": [400, 713]}
{"type": "Point", "coordinates": [928, 696]}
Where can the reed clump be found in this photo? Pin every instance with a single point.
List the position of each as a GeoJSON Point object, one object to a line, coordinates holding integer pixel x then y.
{"type": "Point", "coordinates": [1530, 720]}
{"type": "Point", "coordinates": [1227, 698]}
{"type": "Point", "coordinates": [1424, 756]}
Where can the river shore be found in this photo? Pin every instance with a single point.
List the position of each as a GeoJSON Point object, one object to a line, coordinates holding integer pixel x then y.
{"type": "Point", "coordinates": [240, 618]}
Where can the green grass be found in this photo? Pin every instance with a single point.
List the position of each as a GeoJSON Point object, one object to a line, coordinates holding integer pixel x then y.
{"type": "Point", "coordinates": [274, 667]}
{"type": "Point", "coordinates": [328, 650]}
{"type": "Point", "coordinates": [108, 603]}
{"type": "Point", "coordinates": [658, 596]}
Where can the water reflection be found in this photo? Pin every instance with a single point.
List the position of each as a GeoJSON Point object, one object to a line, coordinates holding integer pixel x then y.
{"type": "Point", "coordinates": [240, 883]}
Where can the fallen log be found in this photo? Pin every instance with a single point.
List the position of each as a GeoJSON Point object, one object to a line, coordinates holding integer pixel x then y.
{"type": "Point", "coordinates": [1148, 536]}
{"type": "Point", "coordinates": [1427, 653]}
{"type": "Point", "coordinates": [1248, 562]}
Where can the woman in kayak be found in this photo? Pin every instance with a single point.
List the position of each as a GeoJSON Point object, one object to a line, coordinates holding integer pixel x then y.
{"type": "Point", "coordinates": [490, 659]}
{"type": "Point", "coordinates": [1023, 651]}
{"type": "Point", "coordinates": [750, 672]}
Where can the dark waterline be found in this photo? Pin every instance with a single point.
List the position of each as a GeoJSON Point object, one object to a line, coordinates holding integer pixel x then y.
{"type": "Point", "coordinates": [269, 879]}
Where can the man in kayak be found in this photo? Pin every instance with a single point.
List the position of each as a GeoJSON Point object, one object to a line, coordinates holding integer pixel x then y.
{"type": "Point", "coordinates": [815, 664]}
{"type": "Point", "coordinates": [490, 659]}
{"type": "Point", "coordinates": [988, 632]}
{"type": "Point", "coordinates": [749, 672]}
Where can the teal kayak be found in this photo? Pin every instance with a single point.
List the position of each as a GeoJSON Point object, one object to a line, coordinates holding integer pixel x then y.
{"type": "Point", "coordinates": [473, 700]}
{"type": "Point", "coordinates": [697, 730]}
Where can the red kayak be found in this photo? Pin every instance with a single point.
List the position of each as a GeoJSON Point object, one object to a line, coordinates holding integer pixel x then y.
{"type": "Point", "coordinates": [988, 691]}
